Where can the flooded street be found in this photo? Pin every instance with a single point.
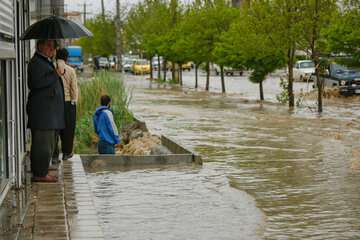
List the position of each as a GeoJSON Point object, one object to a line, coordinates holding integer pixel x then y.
{"type": "Point", "coordinates": [268, 173]}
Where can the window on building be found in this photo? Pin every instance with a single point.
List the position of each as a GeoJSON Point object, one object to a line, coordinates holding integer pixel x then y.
{"type": "Point", "coordinates": [3, 147]}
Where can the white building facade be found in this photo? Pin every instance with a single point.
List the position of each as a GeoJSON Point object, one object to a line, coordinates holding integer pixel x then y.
{"type": "Point", "coordinates": [14, 54]}
{"type": "Point", "coordinates": [15, 17]}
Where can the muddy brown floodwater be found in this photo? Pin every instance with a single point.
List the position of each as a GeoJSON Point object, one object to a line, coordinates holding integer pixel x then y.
{"type": "Point", "coordinates": [268, 173]}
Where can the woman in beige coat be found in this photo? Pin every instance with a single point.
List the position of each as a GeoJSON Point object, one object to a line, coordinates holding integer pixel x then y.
{"type": "Point", "coordinates": [68, 76]}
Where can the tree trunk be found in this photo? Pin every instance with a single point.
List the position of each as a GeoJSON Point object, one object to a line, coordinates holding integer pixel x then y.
{"type": "Point", "coordinates": [159, 68]}
{"type": "Point", "coordinates": [196, 75]}
{"type": "Point", "coordinates": [320, 86]}
{"type": "Point", "coordinates": [261, 91]}
{"type": "Point", "coordinates": [291, 54]}
{"type": "Point", "coordinates": [207, 76]}
{"type": "Point", "coordinates": [180, 75]}
{"type": "Point", "coordinates": [222, 79]}
{"type": "Point", "coordinates": [173, 72]}
{"type": "Point", "coordinates": [314, 56]}
{"type": "Point", "coordinates": [118, 64]}
{"type": "Point", "coordinates": [164, 69]}
{"type": "Point", "coordinates": [151, 69]}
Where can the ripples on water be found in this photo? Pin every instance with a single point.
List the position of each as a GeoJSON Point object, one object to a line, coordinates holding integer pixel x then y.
{"type": "Point", "coordinates": [296, 167]}
{"type": "Point", "coordinates": [185, 203]}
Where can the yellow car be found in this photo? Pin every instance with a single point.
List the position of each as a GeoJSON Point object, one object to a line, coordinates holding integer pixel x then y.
{"type": "Point", "coordinates": [185, 66]}
{"type": "Point", "coordinates": [140, 67]}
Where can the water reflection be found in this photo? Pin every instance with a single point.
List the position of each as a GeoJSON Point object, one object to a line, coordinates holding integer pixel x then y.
{"type": "Point", "coordinates": [173, 203]}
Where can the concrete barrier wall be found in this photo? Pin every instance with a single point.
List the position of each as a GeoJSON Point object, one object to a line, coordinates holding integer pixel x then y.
{"type": "Point", "coordinates": [129, 161]}
{"type": "Point", "coordinates": [177, 148]}
{"type": "Point", "coordinates": [173, 146]}
{"type": "Point", "coordinates": [180, 155]}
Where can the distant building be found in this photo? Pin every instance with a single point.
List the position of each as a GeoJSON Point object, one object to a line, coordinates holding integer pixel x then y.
{"type": "Point", "coordinates": [74, 16]}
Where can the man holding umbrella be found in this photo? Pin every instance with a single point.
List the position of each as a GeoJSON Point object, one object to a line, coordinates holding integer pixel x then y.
{"type": "Point", "coordinates": [45, 105]}
{"type": "Point", "coordinates": [45, 108]}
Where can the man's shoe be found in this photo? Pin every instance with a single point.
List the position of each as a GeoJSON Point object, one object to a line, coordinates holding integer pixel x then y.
{"type": "Point", "coordinates": [67, 156]}
{"type": "Point", "coordinates": [47, 179]}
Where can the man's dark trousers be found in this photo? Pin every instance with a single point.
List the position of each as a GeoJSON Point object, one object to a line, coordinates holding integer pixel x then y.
{"type": "Point", "coordinates": [42, 148]}
{"type": "Point", "coordinates": [68, 133]}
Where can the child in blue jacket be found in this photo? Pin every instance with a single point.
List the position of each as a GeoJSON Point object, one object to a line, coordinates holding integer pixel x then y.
{"type": "Point", "coordinates": [105, 127]}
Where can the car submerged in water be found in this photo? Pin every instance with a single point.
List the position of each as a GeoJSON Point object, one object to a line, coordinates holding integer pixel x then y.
{"type": "Point", "coordinates": [347, 80]}
{"type": "Point", "coordinates": [228, 71]}
{"type": "Point", "coordinates": [303, 70]}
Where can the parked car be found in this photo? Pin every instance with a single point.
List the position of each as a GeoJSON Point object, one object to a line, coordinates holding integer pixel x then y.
{"type": "Point", "coordinates": [155, 64]}
{"type": "Point", "coordinates": [112, 62]}
{"type": "Point", "coordinates": [103, 63]}
{"type": "Point", "coordinates": [140, 66]}
{"type": "Point", "coordinates": [303, 70]}
{"type": "Point", "coordinates": [187, 66]}
{"type": "Point", "coordinates": [228, 71]}
{"type": "Point", "coordinates": [347, 80]}
{"type": "Point", "coordinates": [127, 65]}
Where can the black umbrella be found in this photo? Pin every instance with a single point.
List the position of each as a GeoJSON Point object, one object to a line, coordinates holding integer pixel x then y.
{"type": "Point", "coordinates": [55, 27]}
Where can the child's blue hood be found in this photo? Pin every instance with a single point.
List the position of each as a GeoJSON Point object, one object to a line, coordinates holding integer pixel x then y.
{"type": "Point", "coordinates": [100, 109]}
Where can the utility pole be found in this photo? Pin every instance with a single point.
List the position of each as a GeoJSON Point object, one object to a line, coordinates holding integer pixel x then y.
{"type": "Point", "coordinates": [118, 37]}
{"type": "Point", "coordinates": [102, 9]}
{"type": "Point", "coordinates": [85, 13]}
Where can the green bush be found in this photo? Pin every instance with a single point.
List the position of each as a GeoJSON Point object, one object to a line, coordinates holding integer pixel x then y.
{"type": "Point", "coordinates": [283, 97]}
{"type": "Point", "coordinates": [89, 99]}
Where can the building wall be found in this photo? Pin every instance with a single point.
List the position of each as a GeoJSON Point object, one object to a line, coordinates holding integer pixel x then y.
{"type": "Point", "coordinates": [14, 53]}
{"type": "Point", "coordinates": [46, 8]}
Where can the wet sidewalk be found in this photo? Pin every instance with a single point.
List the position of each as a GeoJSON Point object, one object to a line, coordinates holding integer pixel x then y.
{"type": "Point", "coordinates": [62, 210]}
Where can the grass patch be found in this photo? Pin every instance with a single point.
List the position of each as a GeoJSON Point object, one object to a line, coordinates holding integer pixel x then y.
{"type": "Point", "coordinates": [89, 99]}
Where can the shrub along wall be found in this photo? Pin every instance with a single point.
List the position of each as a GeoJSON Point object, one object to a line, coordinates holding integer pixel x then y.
{"type": "Point", "coordinates": [89, 99]}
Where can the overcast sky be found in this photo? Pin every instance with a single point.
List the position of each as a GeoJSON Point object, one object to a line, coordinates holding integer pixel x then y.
{"type": "Point", "coordinates": [94, 6]}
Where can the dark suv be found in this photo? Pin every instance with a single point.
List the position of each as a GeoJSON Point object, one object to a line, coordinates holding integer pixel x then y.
{"type": "Point", "coordinates": [346, 79]}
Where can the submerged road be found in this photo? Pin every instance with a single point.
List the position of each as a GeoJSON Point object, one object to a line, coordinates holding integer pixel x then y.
{"type": "Point", "coordinates": [268, 173]}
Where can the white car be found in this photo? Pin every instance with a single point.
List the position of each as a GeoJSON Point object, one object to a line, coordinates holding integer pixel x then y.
{"type": "Point", "coordinates": [228, 71]}
{"type": "Point", "coordinates": [303, 70]}
{"type": "Point", "coordinates": [104, 63]}
{"type": "Point", "coordinates": [127, 64]}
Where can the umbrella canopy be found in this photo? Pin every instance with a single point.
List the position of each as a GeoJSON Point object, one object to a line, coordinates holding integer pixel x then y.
{"type": "Point", "coordinates": [55, 27]}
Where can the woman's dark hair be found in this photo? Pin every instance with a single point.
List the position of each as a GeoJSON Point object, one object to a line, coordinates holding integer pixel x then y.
{"type": "Point", "coordinates": [105, 100]}
{"type": "Point", "coordinates": [62, 53]}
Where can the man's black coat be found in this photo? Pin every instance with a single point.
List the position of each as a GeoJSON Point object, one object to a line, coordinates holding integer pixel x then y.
{"type": "Point", "coordinates": [45, 106]}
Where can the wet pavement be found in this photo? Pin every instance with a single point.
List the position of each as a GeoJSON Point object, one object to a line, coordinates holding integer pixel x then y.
{"type": "Point", "coordinates": [268, 173]}
{"type": "Point", "coordinates": [62, 210]}
{"type": "Point", "coordinates": [82, 216]}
